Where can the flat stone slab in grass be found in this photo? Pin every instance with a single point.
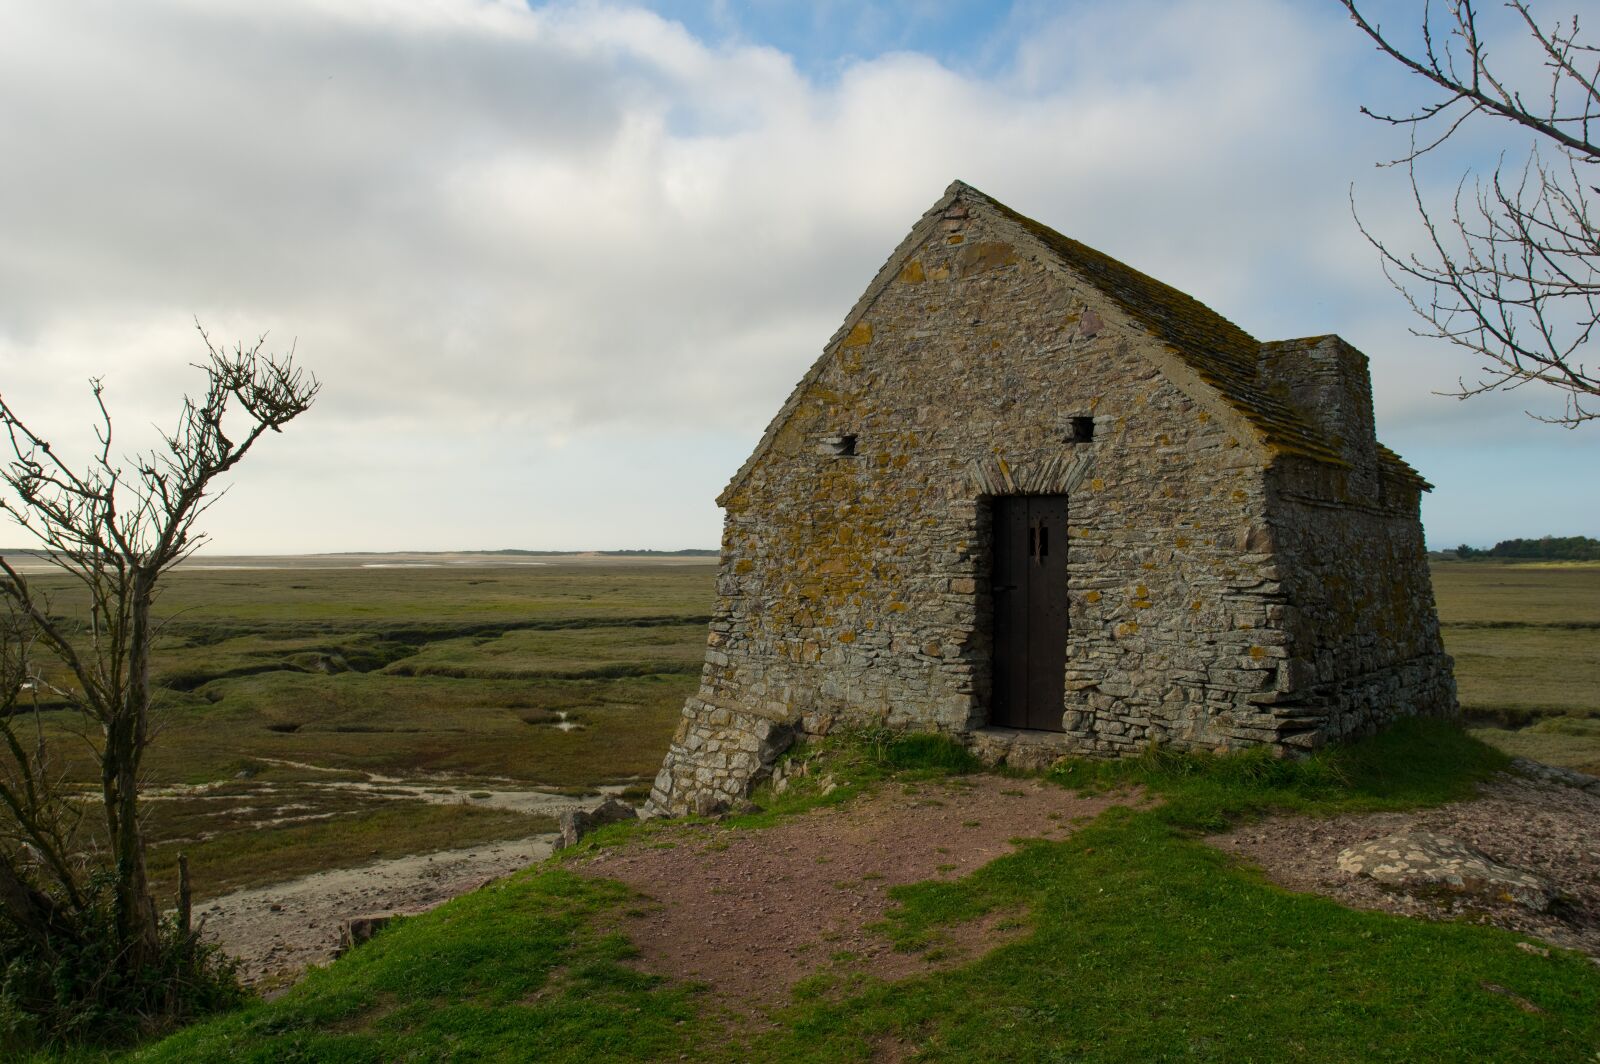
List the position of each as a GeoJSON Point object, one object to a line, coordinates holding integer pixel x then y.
{"type": "Point", "coordinates": [1426, 859]}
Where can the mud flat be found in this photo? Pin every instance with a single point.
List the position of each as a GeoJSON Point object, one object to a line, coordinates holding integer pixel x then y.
{"type": "Point", "coordinates": [277, 932]}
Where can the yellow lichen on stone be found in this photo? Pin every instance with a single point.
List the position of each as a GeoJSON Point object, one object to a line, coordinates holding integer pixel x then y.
{"type": "Point", "coordinates": [847, 637]}
{"type": "Point", "coordinates": [1097, 484]}
{"type": "Point", "coordinates": [954, 238]}
{"type": "Point", "coordinates": [1093, 596]}
{"type": "Point", "coordinates": [1237, 496]}
{"type": "Point", "coordinates": [1195, 605]}
{"type": "Point", "coordinates": [743, 565]}
{"type": "Point", "coordinates": [1257, 653]}
{"type": "Point", "coordinates": [1181, 542]}
{"type": "Point", "coordinates": [1126, 629]}
{"type": "Point", "coordinates": [987, 255]}
{"type": "Point", "coordinates": [860, 336]}
{"type": "Point", "coordinates": [912, 274]}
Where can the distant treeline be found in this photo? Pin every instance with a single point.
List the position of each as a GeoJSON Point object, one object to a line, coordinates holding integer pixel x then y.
{"type": "Point", "coordinates": [1549, 548]}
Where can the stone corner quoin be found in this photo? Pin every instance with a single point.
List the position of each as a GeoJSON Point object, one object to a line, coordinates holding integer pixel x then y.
{"type": "Point", "coordinates": [1242, 564]}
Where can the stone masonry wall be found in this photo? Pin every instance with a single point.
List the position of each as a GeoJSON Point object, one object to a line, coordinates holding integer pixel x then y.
{"type": "Point", "coordinates": [853, 586]}
{"type": "Point", "coordinates": [1363, 626]}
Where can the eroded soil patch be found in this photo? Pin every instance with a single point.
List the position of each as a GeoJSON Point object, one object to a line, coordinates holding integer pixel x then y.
{"type": "Point", "coordinates": [277, 932]}
{"type": "Point", "coordinates": [752, 913]}
{"type": "Point", "coordinates": [1550, 830]}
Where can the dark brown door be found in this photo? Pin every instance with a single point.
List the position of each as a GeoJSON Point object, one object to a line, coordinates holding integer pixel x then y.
{"type": "Point", "coordinates": [1030, 611]}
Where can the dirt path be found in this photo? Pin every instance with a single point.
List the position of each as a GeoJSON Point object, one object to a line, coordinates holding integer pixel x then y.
{"type": "Point", "coordinates": [1548, 829]}
{"type": "Point", "coordinates": [276, 932]}
{"type": "Point", "coordinates": [750, 914]}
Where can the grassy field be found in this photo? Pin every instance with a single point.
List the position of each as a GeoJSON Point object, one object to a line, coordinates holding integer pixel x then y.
{"type": "Point", "coordinates": [300, 707]}
{"type": "Point", "coordinates": [279, 684]}
{"type": "Point", "coordinates": [303, 711]}
{"type": "Point", "coordinates": [1141, 943]}
{"type": "Point", "coordinates": [1526, 640]}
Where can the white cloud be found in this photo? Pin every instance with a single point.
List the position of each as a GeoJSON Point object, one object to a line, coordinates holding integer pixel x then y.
{"type": "Point", "coordinates": [521, 244]}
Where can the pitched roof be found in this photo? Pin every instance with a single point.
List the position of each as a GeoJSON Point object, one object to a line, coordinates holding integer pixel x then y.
{"type": "Point", "coordinates": [1220, 353]}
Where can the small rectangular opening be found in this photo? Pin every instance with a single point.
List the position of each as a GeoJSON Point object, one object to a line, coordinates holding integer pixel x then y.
{"type": "Point", "coordinates": [839, 446]}
{"type": "Point", "coordinates": [1080, 430]}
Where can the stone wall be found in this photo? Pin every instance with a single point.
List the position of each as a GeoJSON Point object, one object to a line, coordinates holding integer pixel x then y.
{"type": "Point", "coordinates": [1360, 613]}
{"type": "Point", "coordinates": [853, 587]}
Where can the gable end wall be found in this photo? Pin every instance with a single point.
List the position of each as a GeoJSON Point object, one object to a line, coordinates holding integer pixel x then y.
{"type": "Point", "coordinates": [854, 589]}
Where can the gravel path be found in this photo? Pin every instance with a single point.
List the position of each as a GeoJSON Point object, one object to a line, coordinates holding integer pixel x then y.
{"type": "Point", "coordinates": [750, 914]}
{"type": "Point", "coordinates": [1548, 829]}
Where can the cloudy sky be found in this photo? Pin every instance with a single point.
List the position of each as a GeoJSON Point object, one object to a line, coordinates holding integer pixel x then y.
{"type": "Point", "coordinates": [557, 264]}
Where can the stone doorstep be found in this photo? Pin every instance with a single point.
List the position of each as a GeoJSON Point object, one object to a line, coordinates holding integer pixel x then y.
{"type": "Point", "coordinates": [1031, 751]}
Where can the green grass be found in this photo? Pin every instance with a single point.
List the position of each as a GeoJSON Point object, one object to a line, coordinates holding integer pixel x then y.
{"type": "Point", "coordinates": [1518, 673]}
{"type": "Point", "coordinates": [1414, 762]}
{"type": "Point", "coordinates": [1149, 946]}
{"type": "Point", "coordinates": [1567, 741]}
{"type": "Point", "coordinates": [1140, 943]}
{"type": "Point", "coordinates": [462, 673]}
{"type": "Point", "coordinates": [521, 970]}
{"type": "Point", "coordinates": [576, 652]}
{"type": "Point", "coordinates": [1526, 638]}
{"type": "Point", "coordinates": [1474, 593]}
{"type": "Point", "coordinates": [412, 601]}
{"type": "Point", "coordinates": [405, 725]}
{"type": "Point", "coordinates": [1526, 643]}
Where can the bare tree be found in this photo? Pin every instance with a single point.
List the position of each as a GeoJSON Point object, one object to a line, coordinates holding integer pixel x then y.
{"type": "Point", "coordinates": [38, 828]}
{"type": "Point", "coordinates": [113, 529]}
{"type": "Point", "coordinates": [1511, 266]}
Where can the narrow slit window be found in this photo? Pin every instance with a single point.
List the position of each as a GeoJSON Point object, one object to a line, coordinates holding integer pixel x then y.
{"type": "Point", "coordinates": [839, 446]}
{"type": "Point", "coordinates": [1080, 430]}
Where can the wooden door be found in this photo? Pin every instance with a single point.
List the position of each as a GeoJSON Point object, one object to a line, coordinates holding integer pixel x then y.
{"type": "Point", "coordinates": [1030, 611]}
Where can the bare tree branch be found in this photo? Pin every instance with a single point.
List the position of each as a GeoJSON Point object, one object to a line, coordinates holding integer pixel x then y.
{"type": "Point", "coordinates": [115, 528]}
{"type": "Point", "coordinates": [1511, 273]}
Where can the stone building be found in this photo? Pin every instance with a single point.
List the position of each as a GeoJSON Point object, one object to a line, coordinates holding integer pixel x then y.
{"type": "Point", "coordinates": [1037, 500]}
